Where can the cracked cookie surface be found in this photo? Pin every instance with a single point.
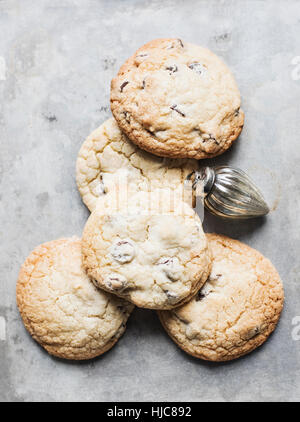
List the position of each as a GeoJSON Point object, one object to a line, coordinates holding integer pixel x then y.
{"type": "Point", "coordinates": [236, 309]}
{"type": "Point", "coordinates": [60, 306]}
{"type": "Point", "coordinates": [108, 158]}
{"type": "Point", "coordinates": [151, 250]}
{"type": "Point", "coordinates": [176, 99]}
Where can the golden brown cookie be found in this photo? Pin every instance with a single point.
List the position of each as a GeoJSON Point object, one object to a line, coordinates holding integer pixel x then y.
{"type": "Point", "coordinates": [176, 99]}
{"type": "Point", "coordinates": [62, 309]}
{"type": "Point", "coordinates": [237, 308]}
{"type": "Point", "coordinates": [108, 159]}
{"type": "Point", "coordinates": [150, 251]}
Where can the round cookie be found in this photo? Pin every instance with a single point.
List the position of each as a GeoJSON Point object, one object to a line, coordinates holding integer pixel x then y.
{"type": "Point", "coordinates": [177, 99]}
{"type": "Point", "coordinates": [62, 309]}
{"type": "Point", "coordinates": [151, 250]}
{"type": "Point", "coordinates": [236, 309]}
{"type": "Point", "coordinates": [108, 158]}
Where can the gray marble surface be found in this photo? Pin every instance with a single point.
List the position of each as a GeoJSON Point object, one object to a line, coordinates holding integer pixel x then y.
{"type": "Point", "coordinates": [57, 58]}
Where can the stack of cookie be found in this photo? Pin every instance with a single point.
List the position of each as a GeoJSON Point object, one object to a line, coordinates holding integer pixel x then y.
{"type": "Point", "coordinates": [143, 244]}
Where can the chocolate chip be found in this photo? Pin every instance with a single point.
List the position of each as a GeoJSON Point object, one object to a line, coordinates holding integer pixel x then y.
{"type": "Point", "coordinates": [126, 115]}
{"type": "Point", "coordinates": [95, 282]}
{"type": "Point", "coordinates": [100, 188]}
{"type": "Point", "coordinates": [215, 277]}
{"type": "Point", "coordinates": [198, 131]}
{"type": "Point", "coordinates": [123, 251]}
{"type": "Point", "coordinates": [140, 58]}
{"type": "Point", "coordinates": [172, 69]}
{"type": "Point", "coordinates": [205, 290]}
{"type": "Point", "coordinates": [178, 41]}
{"type": "Point", "coordinates": [171, 267]}
{"type": "Point", "coordinates": [122, 309]}
{"type": "Point", "coordinates": [199, 296]}
{"type": "Point", "coordinates": [237, 112]}
{"type": "Point", "coordinates": [172, 297]}
{"type": "Point", "coordinates": [198, 68]}
{"type": "Point", "coordinates": [143, 84]}
{"type": "Point", "coordinates": [123, 85]}
{"type": "Point", "coordinates": [163, 261]}
{"type": "Point", "coordinates": [174, 107]}
{"type": "Point", "coordinates": [252, 333]}
{"type": "Point", "coordinates": [151, 133]}
{"type": "Point", "coordinates": [115, 282]}
{"type": "Point", "coordinates": [209, 137]}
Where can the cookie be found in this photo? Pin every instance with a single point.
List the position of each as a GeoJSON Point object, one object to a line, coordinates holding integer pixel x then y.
{"type": "Point", "coordinates": [151, 250]}
{"type": "Point", "coordinates": [176, 99]}
{"type": "Point", "coordinates": [62, 309]}
{"type": "Point", "coordinates": [108, 158]}
{"type": "Point", "coordinates": [237, 308]}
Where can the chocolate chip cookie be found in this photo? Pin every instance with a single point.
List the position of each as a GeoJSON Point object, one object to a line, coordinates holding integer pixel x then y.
{"type": "Point", "coordinates": [62, 309]}
{"type": "Point", "coordinates": [150, 250]}
{"type": "Point", "coordinates": [176, 99]}
{"type": "Point", "coordinates": [108, 159]}
{"type": "Point", "coordinates": [237, 308]}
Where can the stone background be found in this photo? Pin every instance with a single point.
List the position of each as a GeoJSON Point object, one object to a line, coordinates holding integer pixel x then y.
{"type": "Point", "coordinates": [57, 58]}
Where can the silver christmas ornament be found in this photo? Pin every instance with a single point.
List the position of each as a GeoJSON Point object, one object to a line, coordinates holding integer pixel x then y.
{"type": "Point", "coordinates": [228, 192]}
